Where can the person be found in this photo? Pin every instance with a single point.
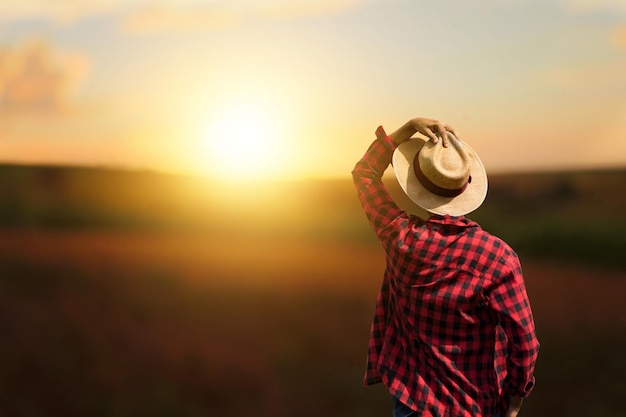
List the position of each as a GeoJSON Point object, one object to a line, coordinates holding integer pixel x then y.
{"type": "Point", "coordinates": [453, 333]}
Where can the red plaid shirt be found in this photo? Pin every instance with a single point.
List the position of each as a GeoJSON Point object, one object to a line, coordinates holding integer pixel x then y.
{"type": "Point", "coordinates": [453, 333]}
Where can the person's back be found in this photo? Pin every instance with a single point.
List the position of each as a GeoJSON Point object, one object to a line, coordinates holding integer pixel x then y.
{"type": "Point", "coordinates": [453, 332]}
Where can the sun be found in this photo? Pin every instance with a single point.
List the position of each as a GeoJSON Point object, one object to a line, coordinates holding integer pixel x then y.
{"type": "Point", "coordinates": [244, 139]}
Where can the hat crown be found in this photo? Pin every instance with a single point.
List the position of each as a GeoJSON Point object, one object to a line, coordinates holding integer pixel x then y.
{"type": "Point", "coordinates": [446, 167]}
{"type": "Point", "coordinates": [456, 183]}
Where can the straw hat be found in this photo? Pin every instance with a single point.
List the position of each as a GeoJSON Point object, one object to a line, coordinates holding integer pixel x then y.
{"type": "Point", "coordinates": [441, 180]}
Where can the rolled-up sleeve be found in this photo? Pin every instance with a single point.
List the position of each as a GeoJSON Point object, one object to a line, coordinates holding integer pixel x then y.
{"type": "Point", "coordinates": [510, 300]}
{"type": "Point", "coordinates": [381, 210]}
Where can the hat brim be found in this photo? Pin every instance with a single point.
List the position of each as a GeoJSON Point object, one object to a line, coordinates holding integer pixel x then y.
{"type": "Point", "coordinates": [466, 202]}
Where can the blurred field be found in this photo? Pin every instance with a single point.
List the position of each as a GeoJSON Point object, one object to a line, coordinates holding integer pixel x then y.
{"type": "Point", "coordinates": [135, 293]}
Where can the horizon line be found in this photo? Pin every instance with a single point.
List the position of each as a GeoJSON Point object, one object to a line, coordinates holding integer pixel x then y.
{"type": "Point", "coordinates": [289, 178]}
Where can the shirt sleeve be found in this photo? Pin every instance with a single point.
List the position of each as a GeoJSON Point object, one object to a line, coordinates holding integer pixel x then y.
{"type": "Point", "coordinates": [510, 300]}
{"type": "Point", "coordinates": [384, 215]}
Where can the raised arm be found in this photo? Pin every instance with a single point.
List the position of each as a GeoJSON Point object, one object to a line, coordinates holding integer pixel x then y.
{"type": "Point", "coordinates": [384, 215]}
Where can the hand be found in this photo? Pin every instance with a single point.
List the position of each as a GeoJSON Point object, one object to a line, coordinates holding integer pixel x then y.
{"type": "Point", "coordinates": [515, 404]}
{"type": "Point", "coordinates": [431, 128]}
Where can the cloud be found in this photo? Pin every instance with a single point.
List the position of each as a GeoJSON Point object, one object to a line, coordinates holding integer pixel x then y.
{"type": "Point", "coordinates": [176, 17]}
{"type": "Point", "coordinates": [171, 15]}
{"type": "Point", "coordinates": [168, 18]}
{"type": "Point", "coordinates": [34, 77]}
{"type": "Point", "coordinates": [290, 8]}
{"type": "Point", "coordinates": [65, 10]}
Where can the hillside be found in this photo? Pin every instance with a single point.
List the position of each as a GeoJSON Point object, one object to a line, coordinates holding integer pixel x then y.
{"type": "Point", "coordinates": [571, 215]}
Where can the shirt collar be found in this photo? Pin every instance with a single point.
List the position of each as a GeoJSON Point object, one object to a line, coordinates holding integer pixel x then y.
{"type": "Point", "coordinates": [446, 219]}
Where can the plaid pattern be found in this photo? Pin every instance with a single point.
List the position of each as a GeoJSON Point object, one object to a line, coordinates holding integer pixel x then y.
{"type": "Point", "coordinates": [453, 332]}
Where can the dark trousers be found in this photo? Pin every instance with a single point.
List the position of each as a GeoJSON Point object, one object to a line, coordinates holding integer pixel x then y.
{"type": "Point", "coordinates": [401, 410]}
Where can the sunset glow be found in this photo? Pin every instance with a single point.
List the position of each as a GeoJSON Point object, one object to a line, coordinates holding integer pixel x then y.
{"type": "Point", "coordinates": [244, 138]}
{"type": "Point", "coordinates": [218, 88]}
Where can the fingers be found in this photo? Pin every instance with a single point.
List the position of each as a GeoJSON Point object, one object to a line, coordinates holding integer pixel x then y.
{"type": "Point", "coordinates": [451, 130]}
{"type": "Point", "coordinates": [430, 134]}
{"type": "Point", "coordinates": [443, 134]}
{"type": "Point", "coordinates": [435, 130]}
{"type": "Point", "coordinates": [439, 130]}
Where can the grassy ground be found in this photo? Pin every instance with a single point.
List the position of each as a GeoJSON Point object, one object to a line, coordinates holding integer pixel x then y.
{"type": "Point", "coordinates": [132, 324]}
{"type": "Point", "coordinates": [125, 295]}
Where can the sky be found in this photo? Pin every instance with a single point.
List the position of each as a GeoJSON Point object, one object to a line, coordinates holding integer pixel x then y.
{"type": "Point", "coordinates": [256, 89]}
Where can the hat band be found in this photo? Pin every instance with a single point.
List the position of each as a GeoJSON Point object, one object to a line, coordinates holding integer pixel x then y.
{"type": "Point", "coordinates": [431, 186]}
